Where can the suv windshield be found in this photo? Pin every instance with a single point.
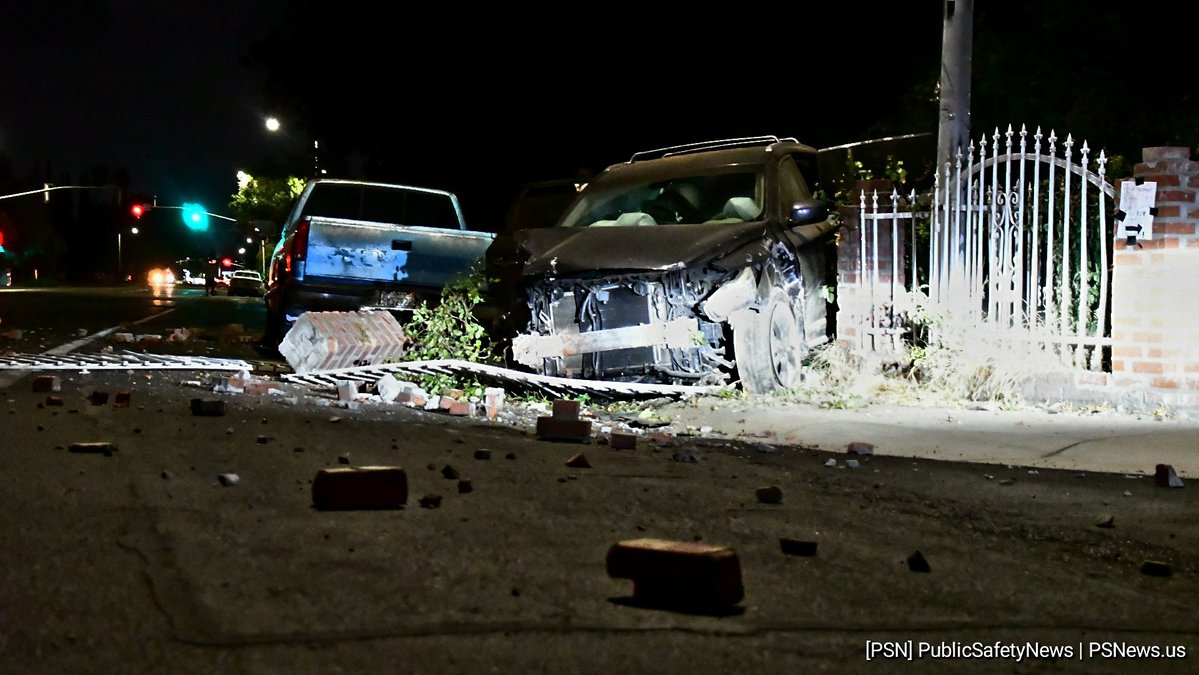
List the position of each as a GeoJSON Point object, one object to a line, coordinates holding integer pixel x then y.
{"type": "Point", "coordinates": [702, 198]}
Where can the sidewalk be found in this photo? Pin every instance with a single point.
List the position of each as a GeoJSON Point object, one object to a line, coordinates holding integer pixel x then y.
{"type": "Point", "coordinates": [1110, 442]}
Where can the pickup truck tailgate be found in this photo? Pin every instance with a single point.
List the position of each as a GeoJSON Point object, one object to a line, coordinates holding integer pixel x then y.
{"type": "Point", "coordinates": [407, 255]}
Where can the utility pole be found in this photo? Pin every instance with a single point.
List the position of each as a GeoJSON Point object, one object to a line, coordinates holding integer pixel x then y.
{"type": "Point", "coordinates": [957, 43]}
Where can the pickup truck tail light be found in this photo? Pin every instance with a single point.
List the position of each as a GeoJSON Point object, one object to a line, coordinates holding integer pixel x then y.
{"type": "Point", "coordinates": [299, 245]}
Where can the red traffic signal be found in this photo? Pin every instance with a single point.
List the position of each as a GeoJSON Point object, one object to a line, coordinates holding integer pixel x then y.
{"type": "Point", "coordinates": [226, 262]}
{"type": "Point", "coordinates": [138, 210]}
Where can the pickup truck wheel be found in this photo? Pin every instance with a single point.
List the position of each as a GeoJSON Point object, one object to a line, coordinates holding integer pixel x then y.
{"type": "Point", "coordinates": [770, 345]}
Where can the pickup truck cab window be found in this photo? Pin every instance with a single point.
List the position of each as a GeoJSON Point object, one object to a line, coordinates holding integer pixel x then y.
{"type": "Point", "coordinates": [380, 205]}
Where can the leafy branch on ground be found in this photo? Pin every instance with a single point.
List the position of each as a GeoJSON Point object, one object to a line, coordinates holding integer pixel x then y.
{"type": "Point", "coordinates": [449, 329]}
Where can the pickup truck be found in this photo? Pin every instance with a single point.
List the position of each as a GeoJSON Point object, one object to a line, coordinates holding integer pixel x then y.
{"type": "Point", "coordinates": [348, 245]}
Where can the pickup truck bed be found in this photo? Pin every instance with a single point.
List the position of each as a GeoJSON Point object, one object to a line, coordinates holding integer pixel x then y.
{"type": "Point", "coordinates": [348, 245]}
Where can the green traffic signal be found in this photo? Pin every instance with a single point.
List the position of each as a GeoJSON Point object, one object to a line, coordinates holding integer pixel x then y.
{"type": "Point", "coordinates": [195, 217]}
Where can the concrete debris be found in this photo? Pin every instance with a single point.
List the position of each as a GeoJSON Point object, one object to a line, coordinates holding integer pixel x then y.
{"type": "Point", "coordinates": [1106, 521]}
{"type": "Point", "coordinates": [769, 495]}
{"type": "Point", "coordinates": [493, 401]}
{"type": "Point", "coordinates": [806, 549]}
{"type": "Point", "coordinates": [179, 335]}
{"type": "Point", "coordinates": [1155, 568]}
{"type": "Point", "coordinates": [430, 501]}
{"type": "Point", "coordinates": [347, 390]}
{"type": "Point", "coordinates": [683, 575]}
{"type": "Point", "coordinates": [765, 447]}
{"type": "Point", "coordinates": [578, 461]}
{"type": "Point", "coordinates": [331, 340]}
{"type": "Point", "coordinates": [1127, 493]}
{"type": "Point", "coordinates": [1165, 476]}
{"type": "Point", "coordinates": [366, 487]}
{"type": "Point", "coordinates": [831, 463]}
{"type": "Point", "coordinates": [80, 332]}
{"type": "Point", "coordinates": [228, 479]}
{"type": "Point", "coordinates": [853, 464]}
{"type": "Point", "coordinates": [860, 448]}
{"type": "Point", "coordinates": [917, 563]}
{"type": "Point", "coordinates": [123, 337]}
{"type": "Point", "coordinates": [93, 447]}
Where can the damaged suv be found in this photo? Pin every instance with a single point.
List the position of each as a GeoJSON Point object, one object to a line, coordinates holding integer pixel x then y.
{"type": "Point", "coordinates": [693, 264]}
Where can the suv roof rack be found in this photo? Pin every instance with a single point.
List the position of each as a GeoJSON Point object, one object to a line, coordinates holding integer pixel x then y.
{"type": "Point", "coordinates": [687, 148]}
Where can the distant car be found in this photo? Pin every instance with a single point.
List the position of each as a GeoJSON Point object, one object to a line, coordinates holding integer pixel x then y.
{"type": "Point", "coordinates": [247, 282]}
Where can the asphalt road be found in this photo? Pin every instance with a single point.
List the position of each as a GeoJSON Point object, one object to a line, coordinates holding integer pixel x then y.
{"type": "Point", "coordinates": [143, 561]}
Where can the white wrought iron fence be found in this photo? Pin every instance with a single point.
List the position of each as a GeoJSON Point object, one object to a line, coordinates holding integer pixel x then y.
{"type": "Point", "coordinates": [1019, 246]}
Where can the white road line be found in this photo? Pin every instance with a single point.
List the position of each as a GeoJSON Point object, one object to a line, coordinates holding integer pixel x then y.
{"type": "Point", "coordinates": [9, 377]}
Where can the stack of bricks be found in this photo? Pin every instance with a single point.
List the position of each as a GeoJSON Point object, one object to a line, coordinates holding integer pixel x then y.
{"type": "Point", "coordinates": [564, 424]}
{"type": "Point", "coordinates": [332, 340]}
{"type": "Point", "coordinates": [1155, 328]}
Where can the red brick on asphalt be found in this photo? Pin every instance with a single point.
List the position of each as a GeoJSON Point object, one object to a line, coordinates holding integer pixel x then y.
{"type": "Point", "coordinates": [683, 574]}
{"type": "Point", "coordinates": [562, 429]}
{"type": "Point", "coordinates": [364, 487]}
{"type": "Point", "coordinates": [46, 383]}
{"type": "Point", "coordinates": [622, 441]}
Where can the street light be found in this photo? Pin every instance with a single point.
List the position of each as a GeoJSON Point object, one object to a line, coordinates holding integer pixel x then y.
{"type": "Point", "coordinates": [132, 230]}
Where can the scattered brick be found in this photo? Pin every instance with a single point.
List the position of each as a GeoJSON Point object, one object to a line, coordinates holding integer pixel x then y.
{"type": "Point", "coordinates": [678, 574]}
{"type": "Point", "coordinates": [430, 501]}
{"type": "Point", "coordinates": [208, 408]}
{"type": "Point", "coordinates": [769, 495]}
{"type": "Point", "coordinates": [1106, 522]}
{"type": "Point", "coordinates": [98, 398]}
{"type": "Point", "coordinates": [686, 455]}
{"type": "Point", "coordinates": [493, 401]}
{"type": "Point", "coordinates": [167, 475]}
{"type": "Point", "coordinates": [806, 549]}
{"type": "Point", "coordinates": [623, 441]}
{"type": "Point", "coordinates": [578, 461]}
{"type": "Point", "coordinates": [54, 400]}
{"type": "Point", "coordinates": [122, 399]}
{"type": "Point", "coordinates": [449, 472]}
{"type": "Point", "coordinates": [1165, 476]}
{"type": "Point", "coordinates": [365, 487]}
{"type": "Point", "coordinates": [860, 448]}
{"type": "Point", "coordinates": [343, 459]}
{"type": "Point", "coordinates": [917, 563]}
{"type": "Point", "coordinates": [561, 429]}
{"type": "Point", "coordinates": [228, 479]}
{"type": "Point", "coordinates": [465, 486]}
{"type": "Point", "coordinates": [510, 455]}
{"type": "Point", "coordinates": [565, 409]}
{"type": "Point", "coordinates": [46, 383]}
{"type": "Point", "coordinates": [263, 440]}
{"type": "Point", "coordinates": [457, 408]}
{"type": "Point", "coordinates": [93, 447]}
{"type": "Point", "coordinates": [1155, 568]}
{"type": "Point", "coordinates": [347, 390]}
{"type": "Point", "coordinates": [482, 453]}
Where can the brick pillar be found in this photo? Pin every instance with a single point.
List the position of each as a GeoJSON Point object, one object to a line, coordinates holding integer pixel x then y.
{"type": "Point", "coordinates": [1155, 287]}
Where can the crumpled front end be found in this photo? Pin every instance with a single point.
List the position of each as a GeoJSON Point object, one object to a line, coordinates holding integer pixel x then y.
{"type": "Point", "coordinates": [655, 327]}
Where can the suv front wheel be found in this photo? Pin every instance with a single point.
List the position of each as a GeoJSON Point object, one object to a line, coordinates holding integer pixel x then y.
{"type": "Point", "coordinates": [770, 344]}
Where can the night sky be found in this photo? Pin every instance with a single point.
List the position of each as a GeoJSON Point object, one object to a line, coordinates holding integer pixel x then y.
{"type": "Point", "coordinates": [479, 99]}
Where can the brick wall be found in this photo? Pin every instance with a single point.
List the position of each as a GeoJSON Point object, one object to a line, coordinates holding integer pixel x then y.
{"type": "Point", "coordinates": [1155, 288]}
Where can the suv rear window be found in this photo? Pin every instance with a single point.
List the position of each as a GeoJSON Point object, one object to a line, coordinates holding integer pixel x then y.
{"type": "Point", "coordinates": [381, 205]}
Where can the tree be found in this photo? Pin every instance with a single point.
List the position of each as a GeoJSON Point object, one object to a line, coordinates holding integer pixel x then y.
{"type": "Point", "coordinates": [264, 198]}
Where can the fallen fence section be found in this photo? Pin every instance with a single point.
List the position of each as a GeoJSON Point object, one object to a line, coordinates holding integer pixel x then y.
{"type": "Point", "coordinates": [117, 361]}
{"type": "Point", "coordinates": [553, 386]}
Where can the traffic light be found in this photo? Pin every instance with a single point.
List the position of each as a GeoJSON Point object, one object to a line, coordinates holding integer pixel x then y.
{"type": "Point", "coordinates": [138, 210]}
{"type": "Point", "coordinates": [195, 217]}
{"type": "Point", "coordinates": [226, 262]}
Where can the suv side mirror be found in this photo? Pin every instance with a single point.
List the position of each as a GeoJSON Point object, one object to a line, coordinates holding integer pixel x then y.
{"type": "Point", "coordinates": [808, 211]}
